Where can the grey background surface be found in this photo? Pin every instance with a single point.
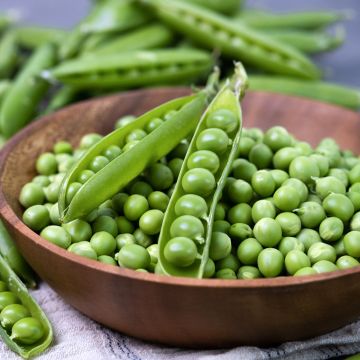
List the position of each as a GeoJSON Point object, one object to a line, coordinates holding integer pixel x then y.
{"type": "Point", "coordinates": [341, 65]}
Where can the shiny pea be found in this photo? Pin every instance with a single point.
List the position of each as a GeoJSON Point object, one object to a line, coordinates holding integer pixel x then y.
{"type": "Point", "coordinates": [153, 124]}
{"type": "Point", "coordinates": [27, 331]}
{"type": "Point", "coordinates": [79, 230]}
{"type": "Point", "coordinates": [112, 152]}
{"type": "Point", "coordinates": [220, 246]}
{"type": "Point", "coordinates": [311, 214]}
{"type": "Point", "coordinates": [88, 140]}
{"type": "Point", "coordinates": [180, 251]}
{"type": "Point", "coordinates": [209, 269]}
{"type": "Point", "coordinates": [305, 271]}
{"type": "Point", "coordinates": [289, 243]}
{"type": "Point", "coordinates": [56, 235]}
{"type": "Point", "coordinates": [83, 248]}
{"type": "Point", "coordinates": [261, 156]}
{"type": "Point", "coordinates": [268, 232]}
{"type": "Point", "coordinates": [204, 159]}
{"type": "Point", "coordinates": [198, 181]}
{"type": "Point", "coordinates": [327, 185]}
{"type": "Point", "coordinates": [239, 191]}
{"type": "Point", "coordinates": [296, 260]}
{"type": "Point", "coordinates": [98, 163]}
{"type": "Point", "coordinates": [187, 226]}
{"type": "Point", "coordinates": [324, 266]}
{"type": "Point", "coordinates": [299, 186]}
{"type": "Point", "coordinates": [277, 137]}
{"type": "Point", "coordinates": [158, 200]}
{"type": "Point", "coordinates": [103, 243]}
{"type": "Point", "coordinates": [7, 298]}
{"type": "Point", "coordinates": [150, 222]}
{"type": "Point", "coordinates": [331, 229]}
{"type": "Point", "coordinates": [36, 217]}
{"type": "Point", "coordinates": [10, 314]}
{"type": "Point", "coordinates": [105, 223]}
{"type": "Point", "coordinates": [190, 204]}
{"type": "Point", "coordinates": [340, 206]}
{"type": "Point", "coordinates": [135, 206]}
{"type": "Point", "coordinates": [286, 198]}
{"type": "Point", "coordinates": [321, 251]}
{"type": "Point", "coordinates": [263, 183]}
{"type": "Point", "coordinates": [283, 157]}
{"type": "Point", "coordinates": [240, 213]}
{"type": "Point", "coordinates": [72, 190]}
{"type": "Point", "coordinates": [46, 164]}
{"type": "Point", "coordinates": [352, 243]}
{"type": "Point", "coordinates": [308, 237]}
{"type": "Point", "coordinates": [248, 251]}
{"type": "Point", "coordinates": [160, 176]}
{"type": "Point", "coordinates": [31, 194]}
{"type": "Point", "coordinates": [133, 256]}
{"type": "Point", "coordinates": [124, 239]}
{"type": "Point", "coordinates": [279, 176]}
{"type": "Point", "coordinates": [270, 262]}
{"type": "Point", "coordinates": [215, 140]}
{"type": "Point", "coordinates": [263, 209]}
{"type": "Point", "coordinates": [248, 272]}
{"type": "Point", "coordinates": [290, 223]}
{"type": "Point", "coordinates": [243, 169]}
{"type": "Point", "coordinates": [227, 274]}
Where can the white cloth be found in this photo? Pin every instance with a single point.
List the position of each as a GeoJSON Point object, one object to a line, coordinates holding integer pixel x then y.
{"type": "Point", "coordinates": [79, 338]}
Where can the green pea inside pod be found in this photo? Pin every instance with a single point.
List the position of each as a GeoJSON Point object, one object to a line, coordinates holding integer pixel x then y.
{"type": "Point", "coordinates": [191, 204]}
{"type": "Point", "coordinates": [181, 251]}
{"type": "Point", "coordinates": [223, 119]}
{"type": "Point", "coordinates": [27, 331]}
{"type": "Point", "coordinates": [204, 159]}
{"type": "Point", "coordinates": [188, 226]}
{"type": "Point", "coordinates": [7, 298]}
{"type": "Point", "coordinates": [212, 139]}
{"type": "Point", "coordinates": [10, 314]}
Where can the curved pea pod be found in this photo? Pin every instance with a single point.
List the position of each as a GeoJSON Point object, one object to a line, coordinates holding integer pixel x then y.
{"type": "Point", "coordinates": [129, 164]}
{"type": "Point", "coordinates": [234, 39]}
{"type": "Point", "coordinates": [31, 37]}
{"type": "Point", "coordinates": [225, 7]}
{"type": "Point", "coordinates": [17, 287]}
{"type": "Point", "coordinates": [13, 257]}
{"type": "Point", "coordinates": [327, 92]}
{"type": "Point", "coordinates": [227, 99]}
{"type": "Point", "coordinates": [133, 69]}
{"type": "Point", "coordinates": [4, 88]}
{"type": "Point", "coordinates": [9, 55]}
{"type": "Point", "coordinates": [147, 37]}
{"type": "Point", "coordinates": [26, 92]}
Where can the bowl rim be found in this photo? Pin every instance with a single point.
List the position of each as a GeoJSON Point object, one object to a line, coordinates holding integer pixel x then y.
{"type": "Point", "coordinates": [11, 218]}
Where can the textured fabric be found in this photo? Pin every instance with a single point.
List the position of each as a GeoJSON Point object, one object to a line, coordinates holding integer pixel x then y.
{"type": "Point", "coordinates": [79, 338]}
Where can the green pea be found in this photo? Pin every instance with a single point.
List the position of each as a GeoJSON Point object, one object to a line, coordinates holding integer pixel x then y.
{"type": "Point", "coordinates": [240, 213]}
{"type": "Point", "coordinates": [98, 163]}
{"type": "Point", "coordinates": [215, 140]}
{"type": "Point", "coordinates": [355, 188]}
{"type": "Point", "coordinates": [248, 272]}
{"type": "Point", "coordinates": [31, 194]}
{"type": "Point", "coordinates": [308, 237]}
{"type": "Point", "coordinates": [118, 202]}
{"type": "Point", "coordinates": [321, 251]}
{"type": "Point", "coordinates": [340, 174]}
{"type": "Point", "coordinates": [105, 223]}
{"type": "Point", "coordinates": [153, 124]}
{"type": "Point", "coordinates": [239, 191]}
{"type": "Point", "coordinates": [188, 226]}
{"type": "Point", "coordinates": [124, 239]}
{"type": "Point", "coordinates": [63, 147]}
{"type": "Point", "coordinates": [354, 174]}
{"type": "Point", "coordinates": [352, 243]}
{"type": "Point", "coordinates": [289, 243]}
{"type": "Point", "coordinates": [56, 235]}
{"type": "Point", "coordinates": [142, 239]}
{"type": "Point", "coordinates": [333, 155]}
{"type": "Point", "coordinates": [198, 181]}
{"type": "Point", "coordinates": [180, 251]}
{"type": "Point", "coordinates": [311, 214]}
{"type": "Point", "coordinates": [222, 119]}
{"type": "Point", "coordinates": [340, 206]}
{"type": "Point", "coordinates": [204, 159]}
{"type": "Point", "coordinates": [106, 259]}
{"type": "Point", "coordinates": [255, 133]}
{"type": "Point", "coordinates": [135, 206]}
{"type": "Point", "coordinates": [328, 185]}
{"type": "Point", "coordinates": [243, 169]}
{"type": "Point", "coordinates": [42, 180]}
{"type": "Point", "coordinates": [331, 229]}
{"type": "Point", "coordinates": [261, 156]}
{"type": "Point", "coordinates": [209, 269]}
{"type": "Point", "coordinates": [130, 145]}
{"type": "Point", "coordinates": [355, 222]}
{"type": "Point", "coordinates": [314, 198]}
{"type": "Point", "coordinates": [305, 271]}
{"type": "Point", "coordinates": [220, 246]}
{"type": "Point", "coordinates": [46, 164]}
{"type": "Point", "coordinates": [124, 225]}
{"type": "Point", "coordinates": [158, 200]}
{"type": "Point", "coordinates": [180, 150]}
{"type": "Point", "coordinates": [153, 251]}
{"type": "Point", "coordinates": [304, 168]}
{"type": "Point", "coordinates": [270, 262]}
{"type": "Point", "coordinates": [290, 223]}
{"type": "Point", "coordinates": [36, 217]}
{"type": "Point", "coordinates": [141, 188]}
{"type": "Point", "coordinates": [160, 176]}
{"type": "Point", "coordinates": [228, 274]}
{"type": "Point", "coordinates": [79, 230]}
{"type": "Point", "coordinates": [279, 177]}
{"type": "Point", "coordinates": [229, 262]}
{"type": "Point", "coordinates": [88, 140]}
{"type": "Point", "coordinates": [175, 166]}
{"type": "Point", "coordinates": [240, 231]}
{"type": "Point", "coordinates": [78, 153]}
{"type": "Point", "coordinates": [245, 146]}
{"type": "Point", "coordinates": [248, 251]}
{"type": "Point", "coordinates": [83, 248]}
{"type": "Point", "coordinates": [72, 190]}
{"type": "Point", "coordinates": [112, 152]}
{"type": "Point", "coordinates": [221, 226]}
{"type": "Point", "coordinates": [52, 192]}
{"type": "Point", "coordinates": [66, 165]}
{"type": "Point", "coordinates": [220, 211]}
{"type": "Point", "coordinates": [27, 331]}
{"type": "Point", "coordinates": [136, 134]}
{"type": "Point", "coordinates": [299, 186]}
{"type": "Point", "coordinates": [12, 313]}
{"type": "Point", "coordinates": [339, 247]}
{"type": "Point", "coordinates": [3, 286]}
{"type": "Point", "coordinates": [263, 183]}
{"type": "Point", "coordinates": [296, 260]}
{"type": "Point", "coordinates": [346, 262]}
{"type": "Point", "coordinates": [283, 157]}
{"type": "Point", "coordinates": [263, 209]}
{"type": "Point", "coordinates": [277, 137]}
{"type": "Point", "coordinates": [7, 298]}
{"type": "Point", "coordinates": [103, 243]}
{"type": "Point", "coordinates": [286, 198]}
{"type": "Point", "coordinates": [150, 222]}
{"type": "Point", "coordinates": [268, 232]}
{"type": "Point", "coordinates": [324, 266]}
{"type": "Point", "coordinates": [322, 163]}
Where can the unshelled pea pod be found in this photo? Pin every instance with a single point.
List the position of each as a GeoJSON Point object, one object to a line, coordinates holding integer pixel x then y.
{"type": "Point", "coordinates": [310, 42]}
{"type": "Point", "coordinates": [327, 92]}
{"type": "Point", "coordinates": [147, 37]}
{"type": "Point", "coordinates": [31, 37]}
{"type": "Point", "coordinates": [27, 90]}
{"type": "Point", "coordinates": [61, 98]}
{"type": "Point", "coordinates": [15, 260]}
{"type": "Point", "coordinates": [8, 55]}
{"type": "Point", "coordinates": [4, 88]}
{"type": "Point", "coordinates": [35, 324]}
{"type": "Point", "coordinates": [228, 7]}
{"type": "Point", "coordinates": [308, 20]}
{"type": "Point", "coordinates": [133, 157]}
{"type": "Point", "coordinates": [133, 69]}
{"type": "Point", "coordinates": [235, 40]}
{"type": "Point", "coordinates": [186, 232]}
{"type": "Point", "coordinates": [72, 43]}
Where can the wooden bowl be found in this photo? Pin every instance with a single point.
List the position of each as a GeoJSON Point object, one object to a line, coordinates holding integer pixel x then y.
{"type": "Point", "coordinates": [179, 311]}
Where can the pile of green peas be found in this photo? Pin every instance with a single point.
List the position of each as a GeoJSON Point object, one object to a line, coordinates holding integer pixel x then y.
{"type": "Point", "coordinates": [16, 319]}
{"type": "Point", "coordinates": [286, 209]}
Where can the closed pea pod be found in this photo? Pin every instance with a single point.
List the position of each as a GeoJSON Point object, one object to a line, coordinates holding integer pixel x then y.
{"type": "Point", "coordinates": [235, 40]}
{"type": "Point", "coordinates": [9, 55]}
{"type": "Point", "coordinates": [195, 252]}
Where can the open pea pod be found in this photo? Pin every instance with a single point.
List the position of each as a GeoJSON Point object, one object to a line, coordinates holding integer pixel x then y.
{"type": "Point", "coordinates": [186, 231]}
{"type": "Point", "coordinates": [134, 157]}
{"type": "Point", "coordinates": [16, 287]}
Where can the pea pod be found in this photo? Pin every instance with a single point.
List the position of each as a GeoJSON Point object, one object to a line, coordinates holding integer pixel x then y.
{"type": "Point", "coordinates": [327, 92]}
{"type": "Point", "coordinates": [28, 89]}
{"type": "Point", "coordinates": [31, 37]}
{"type": "Point", "coordinates": [9, 55]}
{"type": "Point", "coordinates": [307, 20]}
{"type": "Point", "coordinates": [133, 69]}
{"type": "Point", "coordinates": [62, 97]}
{"type": "Point", "coordinates": [132, 162]}
{"type": "Point", "coordinates": [15, 260]}
{"type": "Point", "coordinates": [235, 40]}
{"type": "Point", "coordinates": [4, 88]}
{"type": "Point", "coordinates": [147, 37]}
{"type": "Point", "coordinates": [225, 7]}
{"type": "Point", "coordinates": [37, 316]}
{"type": "Point", "coordinates": [176, 223]}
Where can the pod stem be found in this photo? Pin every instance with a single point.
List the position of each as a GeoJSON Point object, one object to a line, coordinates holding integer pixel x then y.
{"type": "Point", "coordinates": [239, 81]}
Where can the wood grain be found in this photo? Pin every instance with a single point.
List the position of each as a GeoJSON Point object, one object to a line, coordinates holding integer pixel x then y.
{"type": "Point", "coordinates": [177, 311]}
